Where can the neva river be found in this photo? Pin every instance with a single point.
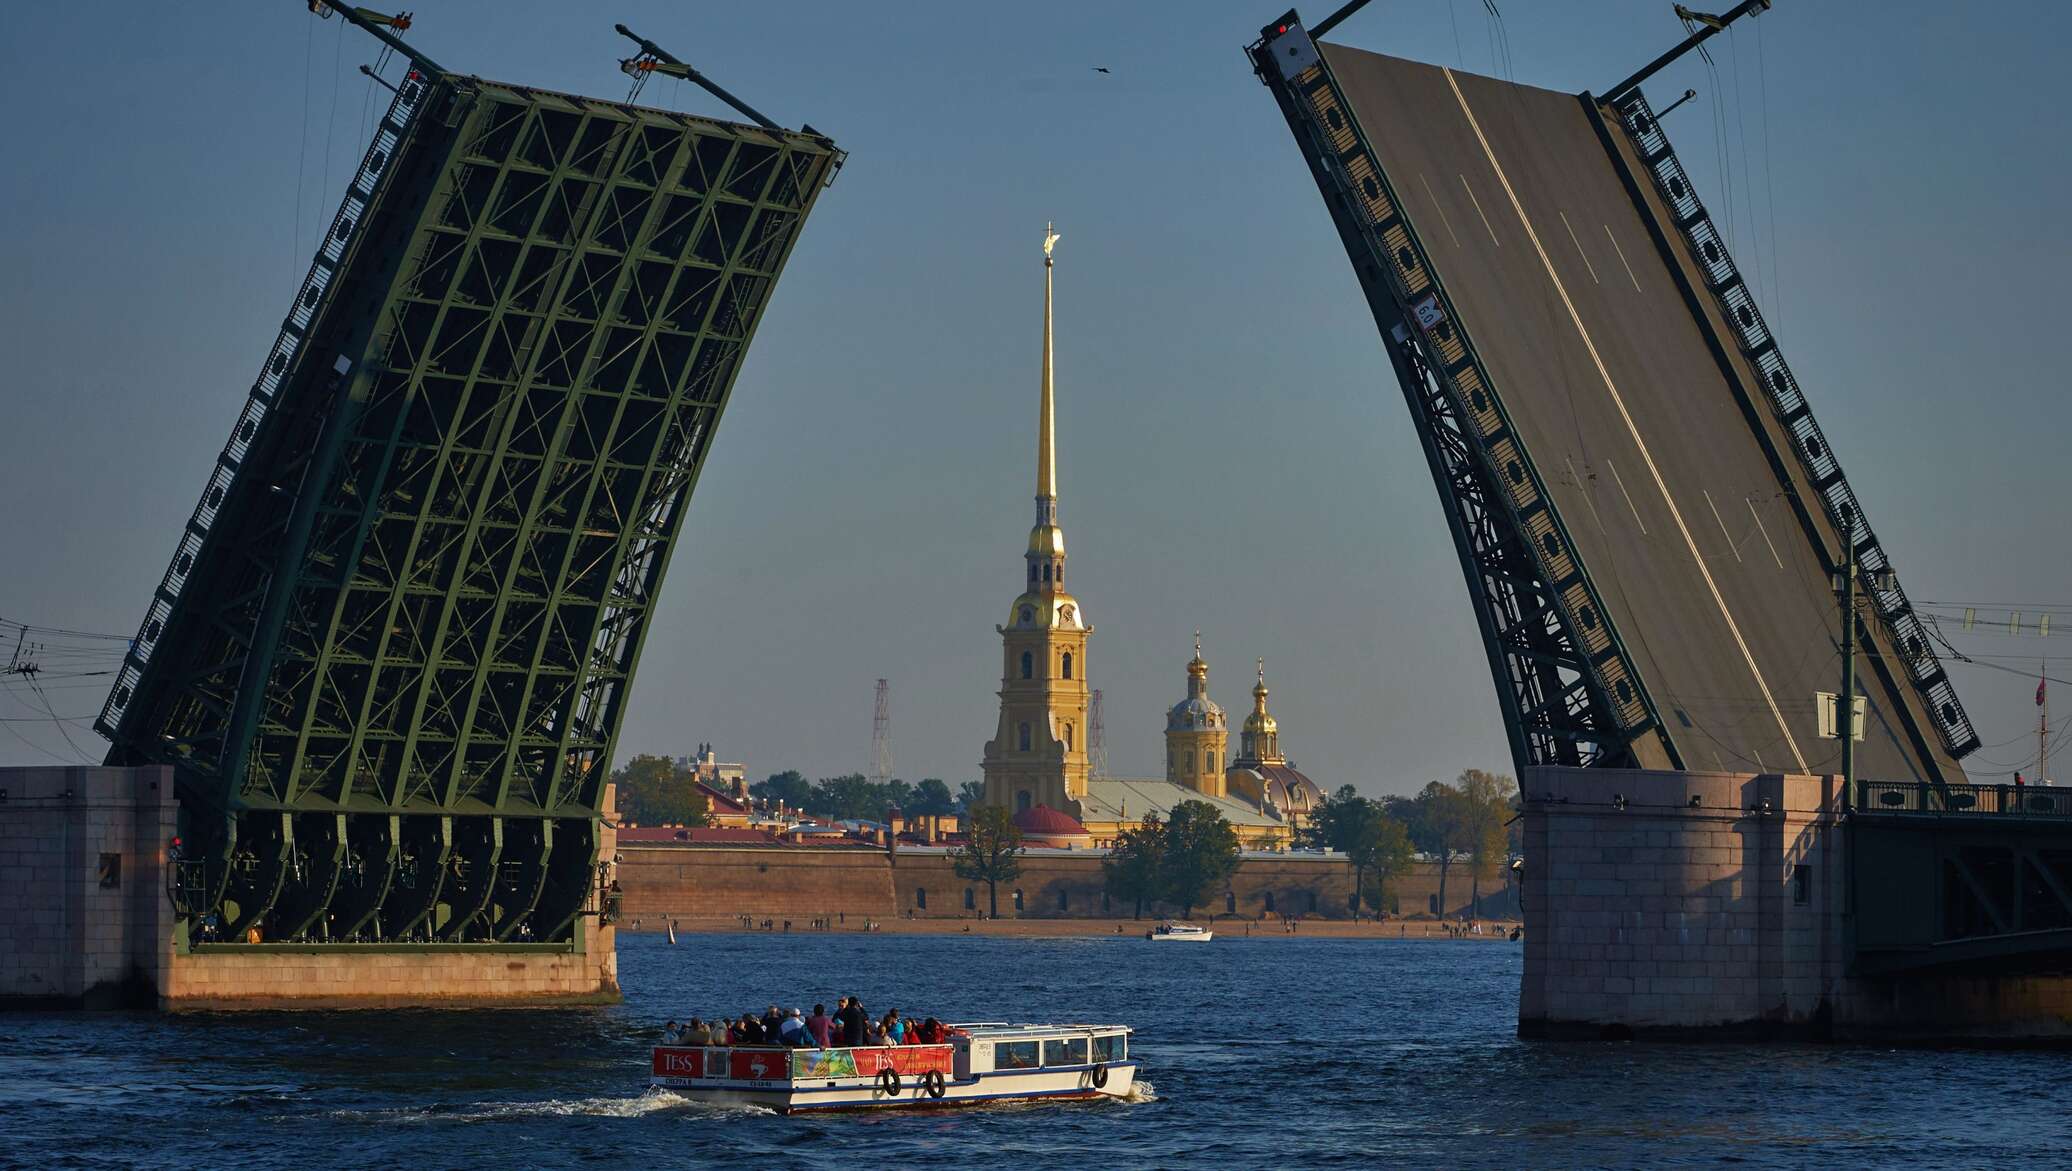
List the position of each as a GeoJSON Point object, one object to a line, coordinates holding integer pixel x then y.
{"type": "Point", "coordinates": [1259, 1052]}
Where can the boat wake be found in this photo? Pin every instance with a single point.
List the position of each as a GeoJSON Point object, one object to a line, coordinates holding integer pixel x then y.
{"type": "Point", "coordinates": [1141, 1091]}
{"type": "Point", "coordinates": [654, 1101]}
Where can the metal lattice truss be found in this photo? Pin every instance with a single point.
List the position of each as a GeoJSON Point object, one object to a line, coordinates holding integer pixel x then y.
{"type": "Point", "coordinates": [394, 648]}
{"type": "Point", "coordinates": [1567, 686]}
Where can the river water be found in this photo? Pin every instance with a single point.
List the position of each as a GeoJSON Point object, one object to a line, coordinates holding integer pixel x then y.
{"type": "Point", "coordinates": [1258, 1052]}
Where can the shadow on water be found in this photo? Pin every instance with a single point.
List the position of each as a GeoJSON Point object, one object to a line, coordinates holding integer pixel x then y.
{"type": "Point", "coordinates": [1263, 1051]}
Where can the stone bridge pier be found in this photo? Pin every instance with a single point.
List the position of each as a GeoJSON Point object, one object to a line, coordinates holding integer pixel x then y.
{"type": "Point", "coordinates": [1726, 904]}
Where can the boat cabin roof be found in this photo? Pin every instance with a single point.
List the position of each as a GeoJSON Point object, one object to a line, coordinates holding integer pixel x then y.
{"type": "Point", "coordinates": [1002, 1031]}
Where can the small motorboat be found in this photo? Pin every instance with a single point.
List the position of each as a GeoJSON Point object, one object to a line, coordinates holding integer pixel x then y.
{"type": "Point", "coordinates": [1179, 933]}
{"type": "Point", "coordinates": [991, 1062]}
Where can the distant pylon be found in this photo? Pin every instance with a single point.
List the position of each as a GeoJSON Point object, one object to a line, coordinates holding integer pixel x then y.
{"type": "Point", "coordinates": [1096, 741]}
{"type": "Point", "coordinates": [881, 736]}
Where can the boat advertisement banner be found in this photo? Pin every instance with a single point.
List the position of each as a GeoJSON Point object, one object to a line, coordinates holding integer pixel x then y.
{"type": "Point", "coordinates": [906, 1060]}
{"type": "Point", "coordinates": [760, 1065]}
{"type": "Point", "coordinates": [823, 1063]}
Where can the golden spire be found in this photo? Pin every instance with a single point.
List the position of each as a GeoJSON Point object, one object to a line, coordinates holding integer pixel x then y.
{"type": "Point", "coordinates": [1046, 458]}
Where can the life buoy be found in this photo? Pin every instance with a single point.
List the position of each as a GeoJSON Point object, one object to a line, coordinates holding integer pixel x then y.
{"type": "Point", "coordinates": [933, 1082]}
{"type": "Point", "coordinates": [1100, 1076]}
{"type": "Point", "coordinates": [888, 1080]}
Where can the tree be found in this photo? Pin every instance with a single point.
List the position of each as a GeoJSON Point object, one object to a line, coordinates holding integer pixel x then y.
{"type": "Point", "coordinates": [653, 791]}
{"type": "Point", "coordinates": [1371, 840]}
{"type": "Point", "coordinates": [1440, 829]}
{"type": "Point", "coordinates": [991, 853]}
{"type": "Point", "coordinates": [931, 798]}
{"type": "Point", "coordinates": [851, 796]}
{"type": "Point", "coordinates": [1133, 868]}
{"type": "Point", "coordinates": [894, 794]}
{"type": "Point", "coordinates": [971, 795]}
{"type": "Point", "coordinates": [793, 789]}
{"type": "Point", "coordinates": [1485, 805]}
{"type": "Point", "coordinates": [1201, 853]}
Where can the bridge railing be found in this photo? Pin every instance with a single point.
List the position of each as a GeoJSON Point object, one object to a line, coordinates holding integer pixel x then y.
{"type": "Point", "coordinates": [1921, 797]}
{"type": "Point", "coordinates": [1736, 305]}
{"type": "Point", "coordinates": [278, 368]}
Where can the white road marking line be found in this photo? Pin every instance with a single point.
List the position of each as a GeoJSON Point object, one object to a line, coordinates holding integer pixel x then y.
{"type": "Point", "coordinates": [1722, 523]}
{"type": "Point", "coordinates": [1578, 480]}
{"type": "Point", "coordinates": [1632, 429]}
{"type": "Point", "coordinates": [1440, 208]}
{"type": "Point", "coordinates": [1765, 532]}
{"type": "Point", "coordinates": [1622, 257]}
{"type": "Point", "coordinates": [1587, 266]}
{"type": "Point", "coordinates": [1478, 211]}
{"type": "Point", "coordinates": [1629, 497]}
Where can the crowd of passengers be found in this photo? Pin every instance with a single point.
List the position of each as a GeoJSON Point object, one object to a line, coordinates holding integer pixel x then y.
{"type": "Point", "coordinates": [849, 1026]}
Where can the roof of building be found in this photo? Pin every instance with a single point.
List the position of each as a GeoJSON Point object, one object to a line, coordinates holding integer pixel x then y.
{"type": "Point", "coordinates": [1132, 798]}
{"type": "Point", "coordinates": [1042, 819]}
{"type": "Point", "coordinates": [1292, 791]}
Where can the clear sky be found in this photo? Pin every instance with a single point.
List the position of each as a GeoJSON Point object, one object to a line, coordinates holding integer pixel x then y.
{"type": "Point", "coordinates": [1234, 454]}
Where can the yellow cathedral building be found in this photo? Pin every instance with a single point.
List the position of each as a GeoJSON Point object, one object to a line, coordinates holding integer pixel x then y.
{"type": "Point", "coordinates": [1036, 763]}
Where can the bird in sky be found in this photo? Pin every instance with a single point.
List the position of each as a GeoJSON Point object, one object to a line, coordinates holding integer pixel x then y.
{"type": "Point", "coordinates": [1102, 69]}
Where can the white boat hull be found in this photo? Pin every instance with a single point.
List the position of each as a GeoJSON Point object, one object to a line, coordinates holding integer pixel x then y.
{"type": "Point", "coordinates": [861, 1093]}
{"type": "Point", "coordinates": [1180, 936]}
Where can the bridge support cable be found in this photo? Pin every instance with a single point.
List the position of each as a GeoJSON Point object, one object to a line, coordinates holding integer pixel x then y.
{"type": "Point", "coordinates": [1567, 686]}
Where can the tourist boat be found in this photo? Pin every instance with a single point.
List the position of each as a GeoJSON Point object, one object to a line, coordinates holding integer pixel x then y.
{"type": "Point", "coordinates": [1179, 933]}
{"type": "Point", "coordinates": [990, 1062]}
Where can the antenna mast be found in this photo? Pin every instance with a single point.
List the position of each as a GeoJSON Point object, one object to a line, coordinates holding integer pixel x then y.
{"type": "Point", "coordinates": [1096, 740]}
{"type": "Point", "coordinates": [881, 736]}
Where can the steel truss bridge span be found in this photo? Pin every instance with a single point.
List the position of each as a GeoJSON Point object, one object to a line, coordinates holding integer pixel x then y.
{"type": "Point", "coordinates": [392, 651]}
{"type": "Point", "coordinates": [1647, 516]}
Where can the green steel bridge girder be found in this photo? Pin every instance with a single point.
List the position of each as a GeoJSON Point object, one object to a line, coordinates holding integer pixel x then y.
{"type": "Point", "coordinates": [407, 641]}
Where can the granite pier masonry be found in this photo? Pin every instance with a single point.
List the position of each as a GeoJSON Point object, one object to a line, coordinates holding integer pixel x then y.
{"type": "Point", "coordinates": [1722, 904]}
{"type": "Point", "coordinates": [86, 921]}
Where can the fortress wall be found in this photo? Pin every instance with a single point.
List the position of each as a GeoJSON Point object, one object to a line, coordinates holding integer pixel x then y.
{"type": "Point", "coordinates": [803, 883]}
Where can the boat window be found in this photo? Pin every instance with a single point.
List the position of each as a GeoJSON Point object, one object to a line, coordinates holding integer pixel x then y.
{"type": "Point", "coordinates": [1108, 1048]}
{"type": "Point", "coordinates": [1015, 1055]}
{"type": "Point", "coordinates": [1069, 1051]}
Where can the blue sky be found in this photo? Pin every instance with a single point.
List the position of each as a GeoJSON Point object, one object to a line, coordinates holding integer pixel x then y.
{"type": "Point", "coordinates": [1234, 454]}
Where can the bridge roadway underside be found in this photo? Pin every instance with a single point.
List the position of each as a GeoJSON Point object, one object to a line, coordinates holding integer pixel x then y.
{"type": "Point", "coordinates": [1707, 547]}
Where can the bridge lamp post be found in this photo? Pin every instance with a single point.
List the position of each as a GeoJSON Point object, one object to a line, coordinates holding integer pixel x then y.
{"type": "Point", "coordinates": [1845, 703]}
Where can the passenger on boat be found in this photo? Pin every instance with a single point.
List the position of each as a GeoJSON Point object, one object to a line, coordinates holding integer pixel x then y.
{"type": "Point", "coordinates": [746, 1031]}
{"type": "Point", "coordinates": [893, 1028]}
{"type": "Point", "coordinates": [929, 1032]}
{"type": "Point", "coordinates": [793, 1031]}
{"type": "Point", "coordinates": [854, 1020]}
{"type": "Point", "coordinates": [670, 1036]}
{"type": "Point", "coordinates": [773, 1023]}
{"type": "Point", "coordinates": [820, 1026]}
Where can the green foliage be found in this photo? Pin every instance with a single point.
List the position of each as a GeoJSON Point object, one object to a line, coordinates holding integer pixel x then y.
{"type": "Point", "coordinates": [1486, 804]}
{"type": "Point", "coordinates": [991, 853]}
{"type": "Point", "coordinates": [1374, 843]}
{"type": "Point", "coordinates": [654, 791]}
{"type": "Point", "coordinates": [970, 795]}
{"type": "Point", "coordinates": [849, 797]}
{"type": "Point", "coordinates": [931, 797]}
{"type": "Point", "coordinates": [789, 786]}
{"type": "Point", "coordinates": [1133, 869]}
{"type": "Point", "coordinates": [1201, 853]}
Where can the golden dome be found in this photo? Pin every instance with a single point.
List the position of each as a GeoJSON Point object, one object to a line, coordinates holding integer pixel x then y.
{"type": "Point", "coordinates": [1039, 609]}
{"type": "Point", "coordinates": [1260, 720]}
{"type": "Point", "coordinates": [1047, 541]}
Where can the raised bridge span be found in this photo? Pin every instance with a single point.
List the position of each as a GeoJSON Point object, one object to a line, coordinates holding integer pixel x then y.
{"type": "Point", "coordinates": [1647, 513]}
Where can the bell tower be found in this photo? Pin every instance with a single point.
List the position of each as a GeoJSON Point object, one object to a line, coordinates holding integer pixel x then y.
{"type": "Point", "coordinates": [1038, 753]}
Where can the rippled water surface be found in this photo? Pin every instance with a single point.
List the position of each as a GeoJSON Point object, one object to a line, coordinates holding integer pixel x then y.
{"type": "Point", "coordinates": [1259, 1052]}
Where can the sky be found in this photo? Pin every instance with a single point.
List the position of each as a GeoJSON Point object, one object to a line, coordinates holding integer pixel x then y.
{"type": "Point", "coordinates": [1234, 455]}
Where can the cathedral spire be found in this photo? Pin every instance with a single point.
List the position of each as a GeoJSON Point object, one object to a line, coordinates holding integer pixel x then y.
{"type": "Point", "coordinates": [1046, 452]}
